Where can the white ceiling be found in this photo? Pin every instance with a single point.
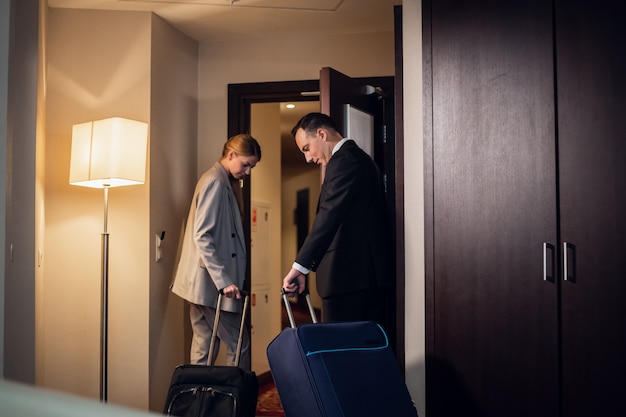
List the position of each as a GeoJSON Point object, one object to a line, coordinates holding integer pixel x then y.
{"type": "Point", "coordinates": [218, 20]}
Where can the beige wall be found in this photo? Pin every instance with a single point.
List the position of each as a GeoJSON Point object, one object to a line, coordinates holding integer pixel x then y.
{"type": "Point", "coordinates": [276, 189]}
{"type": "Point", "coordinates": [173, 138]}
{"type": "Point", "coordinates": [95, 72]}
{"type": "Point", "coordinates": [280, 59]}
{"type": "Point", "coordinates": [290, 186]}
{"type": "Point", "coordinates": [265, 188]}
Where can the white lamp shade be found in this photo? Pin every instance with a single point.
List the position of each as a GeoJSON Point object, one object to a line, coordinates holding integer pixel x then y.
{"type": "Point", "coordinates": [109, 153]}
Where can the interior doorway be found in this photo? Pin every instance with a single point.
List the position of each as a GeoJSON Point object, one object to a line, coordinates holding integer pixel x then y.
{"type": "Point", "coordinates": [243, 99]}
{"type": "Point", "coordinates": [271, 195]}
{"type": "Point", "coordinates": [296, 185]}
{"type": "Point", "coordinates": [274, 187]}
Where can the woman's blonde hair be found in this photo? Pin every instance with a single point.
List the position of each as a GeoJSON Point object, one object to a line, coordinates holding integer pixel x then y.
{"type": "Point", "coordinates": [243, 145]}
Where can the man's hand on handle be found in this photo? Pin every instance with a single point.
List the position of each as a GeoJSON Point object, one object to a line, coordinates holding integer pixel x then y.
{"type": "Point", "coordinates": [294, 282]}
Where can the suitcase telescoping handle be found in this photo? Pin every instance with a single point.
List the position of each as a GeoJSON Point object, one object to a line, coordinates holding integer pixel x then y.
{"type": "Point", "coordinates": [309, 303]}
{"type": "Point", "coordinates": [246, 301]}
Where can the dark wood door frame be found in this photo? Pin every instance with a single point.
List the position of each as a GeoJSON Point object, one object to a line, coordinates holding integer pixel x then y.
{"type": "Point", "coordinates": [240, 99]}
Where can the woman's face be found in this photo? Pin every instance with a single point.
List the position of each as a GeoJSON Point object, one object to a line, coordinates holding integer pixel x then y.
{"type": "Point", "coordinates": [240, 166]}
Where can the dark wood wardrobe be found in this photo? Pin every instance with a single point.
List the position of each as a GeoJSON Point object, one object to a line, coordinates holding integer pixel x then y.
{"type": "Point", "coordinates": [525, 156]}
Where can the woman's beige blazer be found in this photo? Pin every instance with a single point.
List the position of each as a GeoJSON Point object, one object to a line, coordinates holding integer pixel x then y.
{"type": "Point", "coordinates": [213, 254]}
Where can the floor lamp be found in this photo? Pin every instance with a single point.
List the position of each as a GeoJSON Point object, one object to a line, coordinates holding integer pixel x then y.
{"type": "Point", "coordinates": [108, 153]}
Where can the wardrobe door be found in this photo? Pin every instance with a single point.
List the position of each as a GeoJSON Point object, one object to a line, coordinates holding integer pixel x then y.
{"type": "Point", "coordinates": [491, 316]}
{"type": "Point", "coordinates": [591, 64]}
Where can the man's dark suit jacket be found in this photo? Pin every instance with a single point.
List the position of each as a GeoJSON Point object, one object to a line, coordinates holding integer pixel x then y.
{"type": "Point", "coordinates": [348, 245]}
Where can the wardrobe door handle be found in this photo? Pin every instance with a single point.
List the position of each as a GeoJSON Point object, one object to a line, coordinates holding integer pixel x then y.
{"type": "Point", "coordinates": [566, 276]}
{"type": "Point", "coordinates": [546, 276]}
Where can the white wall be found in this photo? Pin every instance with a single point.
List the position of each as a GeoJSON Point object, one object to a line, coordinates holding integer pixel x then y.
{"type": "Point", "coordinates": [414, 202]}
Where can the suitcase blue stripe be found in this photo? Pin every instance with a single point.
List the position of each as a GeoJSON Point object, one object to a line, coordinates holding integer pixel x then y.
{"type": "Point", "coordinates": [353, 349]}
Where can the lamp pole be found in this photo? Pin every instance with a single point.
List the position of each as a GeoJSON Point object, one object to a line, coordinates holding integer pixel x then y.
{"type": "Point", "coordinates": [108, 153]}
{"type": "Point", "coordinates": [104, 325]}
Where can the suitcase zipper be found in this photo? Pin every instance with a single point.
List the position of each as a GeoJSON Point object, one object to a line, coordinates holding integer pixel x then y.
{"type": "Point", "coordinates": [203, 391]}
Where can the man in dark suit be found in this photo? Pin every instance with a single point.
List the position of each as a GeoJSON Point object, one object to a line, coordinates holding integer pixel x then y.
{"type": "Point", "coordinates": [348, 245]}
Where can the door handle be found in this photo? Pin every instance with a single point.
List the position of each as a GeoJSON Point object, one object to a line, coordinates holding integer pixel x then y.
{"type": "Point", "coordinates": [567, 260]}
{"type": "Point", "coordinates": [548, 259]}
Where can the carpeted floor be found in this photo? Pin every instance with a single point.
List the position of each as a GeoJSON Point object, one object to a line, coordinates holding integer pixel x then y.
{"type": "Point", "coordinates": [269, 402]}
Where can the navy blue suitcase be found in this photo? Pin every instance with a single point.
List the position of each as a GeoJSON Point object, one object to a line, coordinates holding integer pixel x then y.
{"type": "Point", "coordinates": [337, 369]}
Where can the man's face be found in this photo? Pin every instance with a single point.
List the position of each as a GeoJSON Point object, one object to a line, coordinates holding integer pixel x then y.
{"type": "Point", "coordinates": [311, 145]}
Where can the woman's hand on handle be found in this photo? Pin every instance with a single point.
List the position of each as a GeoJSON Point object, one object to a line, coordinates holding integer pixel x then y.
{"type": "Point", "coordinates": [232, 291]}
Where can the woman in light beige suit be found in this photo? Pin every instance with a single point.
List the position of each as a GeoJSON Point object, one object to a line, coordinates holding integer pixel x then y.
{"type": "Point", "coordinates": [213, 255]}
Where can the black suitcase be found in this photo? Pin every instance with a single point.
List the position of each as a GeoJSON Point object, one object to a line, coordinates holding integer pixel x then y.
{"type": "Point", "coordinates": [337, 369]}
{"type": "Point", "coordinates": [216, 391]}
